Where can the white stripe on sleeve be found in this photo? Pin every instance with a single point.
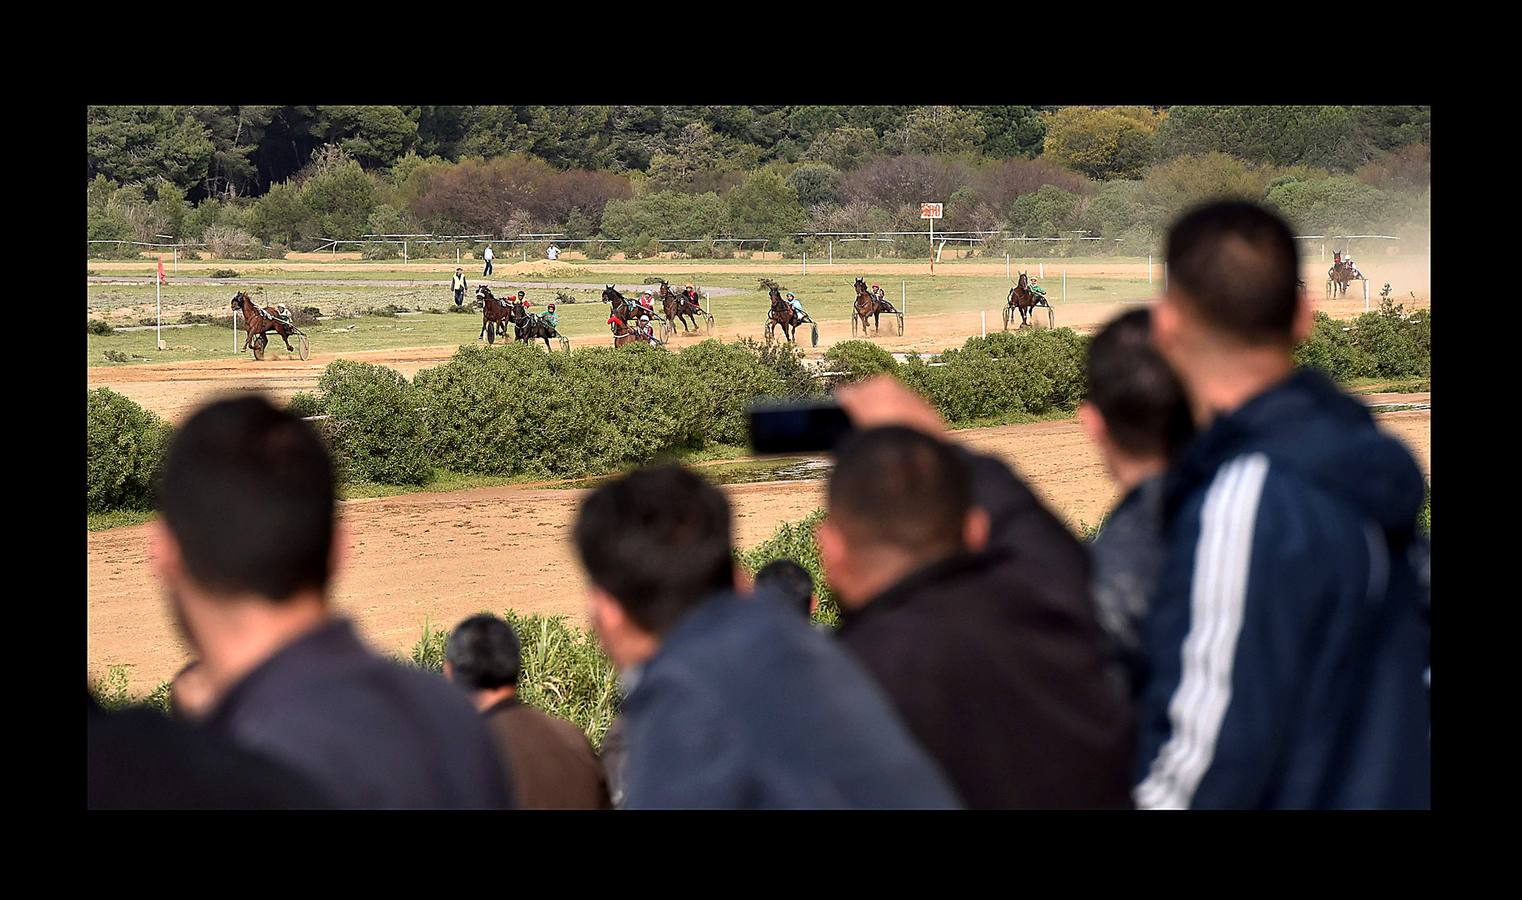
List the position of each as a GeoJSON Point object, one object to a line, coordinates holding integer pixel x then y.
{"type": "Point", "coordinates": [1218, 595]}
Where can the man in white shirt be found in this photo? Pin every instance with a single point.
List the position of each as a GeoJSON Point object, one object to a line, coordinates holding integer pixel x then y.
{"type": "Point", "coordinates": [487, 256]}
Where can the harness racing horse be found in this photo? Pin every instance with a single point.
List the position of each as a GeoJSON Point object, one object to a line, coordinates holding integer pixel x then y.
{"type": "Point", "coordinates": [869, 304]}
{"type": "Point", "coordinates": [1022, 299]}
{"type": "Point", "coordinates": [1340, 275]}
{"type": "Point", "coordinates": [626, 308]}
{"type": "Point", "coordinates": [530, 327]}
{"type": "Point", "coordinates": [627, 335]}
{"type": "Point", "coordinates": [782, 313]}
{"type": "Point", "coordinates": [495, 314]}
{"type": "Point", "coordinates": [259, 321]}
{"type": "Point", "coordinates": [680, 307]}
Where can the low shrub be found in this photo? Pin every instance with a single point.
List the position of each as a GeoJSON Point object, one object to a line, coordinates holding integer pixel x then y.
{"type": "Point", "coordinates": [859, 360]}
{"type": "Point", "coordinates": [99, 328]}
{"type": "Point", "coordinates": [1001, 374]}
{"type": "Point", "coordinates": [786, 361]}
{"type": "Point", "coordinates": [795, 541]}
{"type": "Point", "coordinates": [377, 431]}
{"type": "Point", "coordinates": [124, 443]}
{"type": "Point", "coordinates": [224, 273]}
{"type": "Point", "coordinates": [381, 251]}
{"type": "Point", "coordinates": [304, 405]}
{"type": "Point", "coordinates": [193, 318]}
{"type": "Point", "coordinates": [116, 356]}
{"type": "Point", "coordinates": [462, 309]}
{"type": "Point", "coordinates": [1387, 343]}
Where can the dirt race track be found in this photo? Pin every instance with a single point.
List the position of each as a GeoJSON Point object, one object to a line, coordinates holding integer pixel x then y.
{"type": "Point", "coordinates": [441, 557]}
{"type": "Point", "coordinates": [173, 390]}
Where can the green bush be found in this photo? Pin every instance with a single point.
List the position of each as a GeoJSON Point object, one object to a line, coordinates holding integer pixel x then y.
{"type": "Point", "coordinates": [124, 444]}
{"type": "Point", "coordinates": [731, 375]}
{"type": "Point", "coordinates": [381, 251]}
{"type": "Point", "coordinates": [786, 361]}
{"type": "Point", "coordinates": [377, 431]}
{"type": "Point", "coordinates": [116, 356]}
{"type": "Point", "coordinates": [1001, 374]}
{"type": "Point", "coordinates": [564, 671]}
{"type": "Point", "coordinates": [795, 541]}
{"type": "Point", "coordinates": [1388, 343]}
{"type": "Point", "coordinates": [224, 273]}
{"type": "Point", "coordinates": [304, 405]}
{"type": "Point", "coordinates": [859, 360]}
{"type": "Point", "coordinates": [1331, 349]}
{"type": "Point", "coordinates": [99, 327]}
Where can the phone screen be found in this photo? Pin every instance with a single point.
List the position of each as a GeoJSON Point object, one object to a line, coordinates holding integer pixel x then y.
{"type": "Point", "coordinates": [813, 427]}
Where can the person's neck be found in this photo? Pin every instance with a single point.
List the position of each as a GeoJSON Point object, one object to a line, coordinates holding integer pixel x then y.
{"type": "Point", "coordinates": [239, 634]}
{"type": "Point", "coordinates": [1221, 383]}
{"type": "Point", "coordinates": [1130, 471]}
{"type": "Point", "coordinates": [486, 699]}
{"type": "Point", "coordinates": [883, 568]}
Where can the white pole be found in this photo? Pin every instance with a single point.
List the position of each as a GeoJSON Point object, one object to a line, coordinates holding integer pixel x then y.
{"type": "Point", "coordinates": [903, 294]}
{"type": "Point", "coordinates": [805, 262]}
{"type": "Point", "coordinates": [1365, 295]}
{"type": "Point", "coordinates": [1043, 270]}
{"type": "Point", "coordinates": [1149, 268]}
{"type": "Point", "coordinates": [1006, 267]}
{"type": "Point", "coordinates": [932, 246]}
{"type": "Point", "coordinates": [177, 260]}
{"type": "Point", "coordinates": [983, 317]}
{"type": "Point", "coordinates": [235, 331]}
{"type": "Point", "coordinates": [1064, 285]}
{"type": "Point", "coordinates": [832, 253]}
{"type": "Point", "coordinates": [158, 290]}
{"type": "Point", "coordinates": [404, 251]}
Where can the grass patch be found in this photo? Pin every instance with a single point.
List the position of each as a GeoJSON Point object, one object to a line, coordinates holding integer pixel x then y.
{"type": "Point", "coordinates": [1387, 385]}
{"type": "Point", "coordinates": [116, 518]}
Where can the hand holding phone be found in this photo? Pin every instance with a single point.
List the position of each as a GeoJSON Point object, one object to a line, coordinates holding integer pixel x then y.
{"type": "Point", "coordinates": [783, 427]}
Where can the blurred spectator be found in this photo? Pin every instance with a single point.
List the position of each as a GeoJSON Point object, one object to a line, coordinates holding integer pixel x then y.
{"type": "Point", "coordinates": [549, 761]}
{"type": "Point", "coordinates": [1285, 645]}
{"type": "Point", "coordinates": [190, 694]}
{"type": "Point", "coordinates": [789, 583]}
{"type": "Point", "coordinates": [458, 285]}
{"type": "Point", "coordinates": [998, 673]}
{"type": "Point", "coordinates": [612, 755]}
{"type": "Point", "coordinates": [139, 759]}
{"type": "Point", "coordinates": [247, 583]}
{"type": "Point", "coordinates": [1138, 418]}
{"type": "Point", "coordinates": [730, 704]}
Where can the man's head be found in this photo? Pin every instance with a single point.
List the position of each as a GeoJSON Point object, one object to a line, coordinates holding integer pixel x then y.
{"type": "Point", "coordinates": [638, 594]}
{"type": "Point", "coordinates": [1135, 411]}
{"type": "Point", "coordinates": [483, 656]}
{"type": "Point", "coordinates": [246, 502]}
{"type": "Point", "coordinates": [790, 583]}
{"type": "Point", "coordinates": [1233, 310]}
{"type": "Point", "coordinates": [899, 499]}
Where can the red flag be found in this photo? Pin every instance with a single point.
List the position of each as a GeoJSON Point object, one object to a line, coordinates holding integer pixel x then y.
{"type": "Point", "coordinates": [161, 271]}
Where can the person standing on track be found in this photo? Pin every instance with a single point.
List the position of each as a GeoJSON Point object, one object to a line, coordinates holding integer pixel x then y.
{"type": "Point", "coordinates": [488, 257]}
{"type": "Point", "coordinates": [459, 286]}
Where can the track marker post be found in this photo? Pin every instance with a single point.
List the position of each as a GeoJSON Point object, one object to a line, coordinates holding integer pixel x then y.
{"type": "Point", "coordinates": [983, 318]}
{"type": "Point", "coordinates": [1064, 285]}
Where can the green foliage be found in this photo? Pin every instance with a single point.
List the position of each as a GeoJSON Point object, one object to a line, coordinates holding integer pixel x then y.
{"type": "Point", "coordinates": [224, 273]}
{"type": "Point", "coordinates": [140, 143]}
{"type": "Point", "coordinates": [377, 432]}
{"type": "Point", "coordinates": [1331, 349]}
{"type": "Point", "coordinates": [304, 405]}
{"type": "Point", "coordinates": [765, 207]}
{"type": "Point", "coordinates": [732, 375]}
{"type": "Point", "coordinates": [563, 670]}
{"type": "Point", "coordinates": [340, 197]}
{"type": "Point", "coordinates": [116, 356]}
{"type": "Point", "coordinates": [123, 446]}
{"type": "Point", "coordinates": [1101, 143]}
{"type": "Point", "coordinates": [1332, 137]}
{"type": "Point", "coordinates": [859, 360]}
{"type": "Point", "coordinates": [99, 327]}
{"type": "Point", "coordinates": [786, 361]}
{"type": "Point", "coordinates": [1048, 212]}
{"type": "Point", "coordinates": [1388, 343]}
{"type": "Point", "coordinates": [795, 541]}
{"type": "Point", "coordinates": [815, 183]}
{"type": "Point", "coordinates": [1001, 374]}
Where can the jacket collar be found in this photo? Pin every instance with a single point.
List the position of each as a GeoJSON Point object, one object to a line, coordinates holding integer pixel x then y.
{"type": "Point", "coordinates": [334, 641]}
{"type": "Point", "coordinates": [502, 705]}
{"type": "Point", "coordinates": [939, 572]}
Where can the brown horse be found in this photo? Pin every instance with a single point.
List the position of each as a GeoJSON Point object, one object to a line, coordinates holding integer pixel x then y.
{"type": "Point", "coordinates": [530, 327]}
{"type": "Point", "coordinates": [869, 304]}
{"type": "Point", "coordinates": [782, 313]}
{"type": "Point", "coordinates": [680, 306]}
{"type": "Point", "coordinates": [1342, 273]}
{"type": "Point", "coordinates": [259, 321]}
{"type": "Point", "coordinates": [627, 308]}
{"type": "Point", "coordinates": [1023, 299]}
{"type": "Point", "coordinates": [495, 314]}
{"type": "Point", "coordinates": [627, 335]}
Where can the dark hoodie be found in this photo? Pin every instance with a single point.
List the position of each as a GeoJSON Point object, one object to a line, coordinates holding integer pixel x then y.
{"type": "Point", "coordinates": [1287, 640]}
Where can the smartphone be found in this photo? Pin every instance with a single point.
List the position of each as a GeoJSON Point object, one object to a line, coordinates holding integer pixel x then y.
{"type": "Point", "coordinates": [787, 427]}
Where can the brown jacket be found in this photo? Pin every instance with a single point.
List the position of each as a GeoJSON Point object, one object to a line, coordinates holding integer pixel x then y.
{"type": "Point", "coordinates": [550, 762]}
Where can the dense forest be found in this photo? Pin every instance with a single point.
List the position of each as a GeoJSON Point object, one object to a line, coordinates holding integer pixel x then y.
{"type": "Point", "coordinates": [260, 180]}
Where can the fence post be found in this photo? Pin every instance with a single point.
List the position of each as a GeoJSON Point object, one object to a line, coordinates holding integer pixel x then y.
{"type": "Point", "coordinates": [903, 296]}
{"type": "Point", "coordinates": [1043, 270]}
{"type": "Point", "coordinates": [805, 262]}
{"type": "Point", "coordinates": [1366, 295]}
{"type": "Point", "coordinates": [404, 252]}
{"type": "Point", "coordinates": [983, 317]}
{"type": "Point", "coordinates": [235, 331]}
{"type": "Point", "coordinates": [1006, 267]}
{"type": "Point", "coordinates": [177, 260]}
{"type": "Point", "coordinates": [1064, 285]}
{"type": "Point", "coordinates": [832, 253]}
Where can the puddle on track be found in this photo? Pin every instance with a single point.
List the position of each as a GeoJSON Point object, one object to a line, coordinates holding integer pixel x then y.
{"type": "Point", "coordinates": [750, 471]}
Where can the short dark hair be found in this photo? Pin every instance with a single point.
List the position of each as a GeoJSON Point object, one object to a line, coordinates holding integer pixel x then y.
{"type": "Point", "coordinates": [1236, 265]}
{"type": "Point", "coordinates": [484, 653]}
{"type": "Point", "coordinates": [791, 583]}
{"type": "Point", "coordinates": [659, 541]}
{"type": "Point", "coordinates": [247, 490]}
{"type": "Point", "coordinates": [900, 487]}
{"type": "Point", "coordinates": [1142, 402]}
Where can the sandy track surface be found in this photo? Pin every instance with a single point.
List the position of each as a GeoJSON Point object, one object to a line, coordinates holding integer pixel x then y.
{"type": "Point", "coordinates": [442, 557]}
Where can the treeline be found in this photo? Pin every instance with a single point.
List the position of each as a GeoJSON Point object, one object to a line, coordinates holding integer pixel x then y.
{"type": "Point", "coordinates": [257, 181]}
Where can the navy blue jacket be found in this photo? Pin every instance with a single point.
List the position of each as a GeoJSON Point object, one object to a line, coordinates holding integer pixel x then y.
{"type": "Point", "coordinates": [744, 706]}
{"type": "Point", "coordinates": [1286, 642]}
{"type": "Point", "coordinates": [370, 733]}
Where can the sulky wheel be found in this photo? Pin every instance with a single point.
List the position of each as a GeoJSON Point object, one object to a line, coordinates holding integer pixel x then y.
{"type": "Point", "coordinates": [900, 324]}
{"type": "Point", "coordinates": [1007, 316]}
{"type": "Point", "coordinates": [814, 335]}
{"type": "Point", "coordinates": [260, 343]}
{"type": "Point", "coordinates": [491, 333]}
{"type": "Point", "coordinates": [710, 322]}
{"type": "Point", "coordinates": [303, 347]}
{"type": "Point", "coordinates": [853, 326]}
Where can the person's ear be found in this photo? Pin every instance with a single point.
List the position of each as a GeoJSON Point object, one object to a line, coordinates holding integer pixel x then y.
{"type": "Point", "coordinates": [1093, 423]}
{"type": "Point", "coordinates": [338, 554]}
{"type": "Point", "coordinates": [975, 529]}
{"type": "Point", "coordinates": [448, 670]}
{"type": "Point", "coordinates": [1305, 316]}
{"type": "Point", "coordinates": [163, 551]}
{"type": "Point", "coordinates": [1164, 323]}
{"type": "Point", "coordinates": [745, 583]}
{"type": "Point", "coordinates": [813, 604]}
{"type": "Point", "coordinates": [832, 547]}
